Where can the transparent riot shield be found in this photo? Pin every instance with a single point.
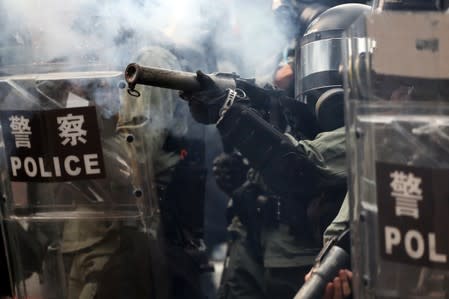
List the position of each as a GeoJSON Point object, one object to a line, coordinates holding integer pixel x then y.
{"type": "Point", "coordinates": [398, 130]}
{"type": "Point", "coordinates": [77, 194]}
{"type": "Point", "coordinates": [82, 162]}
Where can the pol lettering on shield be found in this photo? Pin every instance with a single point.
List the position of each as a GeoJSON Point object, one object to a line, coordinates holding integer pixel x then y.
{"type": "Point", "coordinates": [406, 189]}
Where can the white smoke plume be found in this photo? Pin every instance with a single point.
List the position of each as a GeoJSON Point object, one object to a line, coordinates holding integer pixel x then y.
{"type": "Point", "coordinates": [240, 35]}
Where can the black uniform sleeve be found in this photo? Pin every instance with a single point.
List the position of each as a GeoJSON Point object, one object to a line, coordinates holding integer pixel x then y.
{"type": "Point", "coordinates": [285, 168]}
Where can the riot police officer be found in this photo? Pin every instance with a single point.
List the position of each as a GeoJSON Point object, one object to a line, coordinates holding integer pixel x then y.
{"type": "Point", "coordinates": [298, 173]}
{"type": "Point", "coordinates": [394, 89]}
{"type": "Point", "coordinates": [270, 246]}
{"type": "Point", "coordinates": [322, 89]}
{"type": "Point", "coordinates": [292, 172]}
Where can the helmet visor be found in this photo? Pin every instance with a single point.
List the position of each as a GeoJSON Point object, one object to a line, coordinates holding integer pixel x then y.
{"type": "Point", "coordinates": [320, 63]}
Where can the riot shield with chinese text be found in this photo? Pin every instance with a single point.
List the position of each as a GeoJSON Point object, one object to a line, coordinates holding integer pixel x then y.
{"type": "Point", "coordinates": [398, 125]}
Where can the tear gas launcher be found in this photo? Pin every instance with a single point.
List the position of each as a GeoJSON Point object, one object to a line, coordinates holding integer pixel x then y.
{"type": "Point", "coordinates": [176, 80]}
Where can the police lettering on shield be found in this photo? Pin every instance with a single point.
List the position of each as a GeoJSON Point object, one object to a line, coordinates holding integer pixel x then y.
{"type": "Point", "coordinates": [21, 130]}
{"type": "Point", "coordinates": [71, 130]}
{"type": "Point", "coordinates": [407, 193]}
{"type": "Point", "coordinates": [412, 206]}
{"type": "Point", "coordinates": [71, 151]}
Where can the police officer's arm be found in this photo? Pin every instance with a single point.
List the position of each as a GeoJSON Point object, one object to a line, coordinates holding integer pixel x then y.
{"type": "Point", "coordinates": [340, 286]}
{"type": "Point", "coordinates": [339, 224]}
{"type": "Point", "coordinates": [286, 167]}
{"type": "Point", "coordinates": [304, 167]}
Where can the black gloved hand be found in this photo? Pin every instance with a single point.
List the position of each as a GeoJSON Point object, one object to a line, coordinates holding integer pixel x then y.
{"type": "Point", "coordinates": [205, 105]}
{"type": "Point", "coordinates": [245, 204]}
{"type": "Point", "coordinates": [230, 172]}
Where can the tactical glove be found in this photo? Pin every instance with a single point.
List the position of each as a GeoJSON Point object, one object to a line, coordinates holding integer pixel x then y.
{"type": "Point", "coordinates": [230, 171]}
{"type": "Point", "coordinates": [205, 105]}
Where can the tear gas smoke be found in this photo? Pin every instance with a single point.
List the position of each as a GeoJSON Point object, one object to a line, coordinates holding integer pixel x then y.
{"type": "Point", "coordinates": [238, 35]}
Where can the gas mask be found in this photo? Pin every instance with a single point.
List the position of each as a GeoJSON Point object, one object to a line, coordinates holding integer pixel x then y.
{"type": "Point", "coordinates": [318, 64]}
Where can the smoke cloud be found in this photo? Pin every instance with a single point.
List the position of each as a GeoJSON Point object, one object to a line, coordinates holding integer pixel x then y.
{"type": "Point", "coordinates": [236, 35]}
